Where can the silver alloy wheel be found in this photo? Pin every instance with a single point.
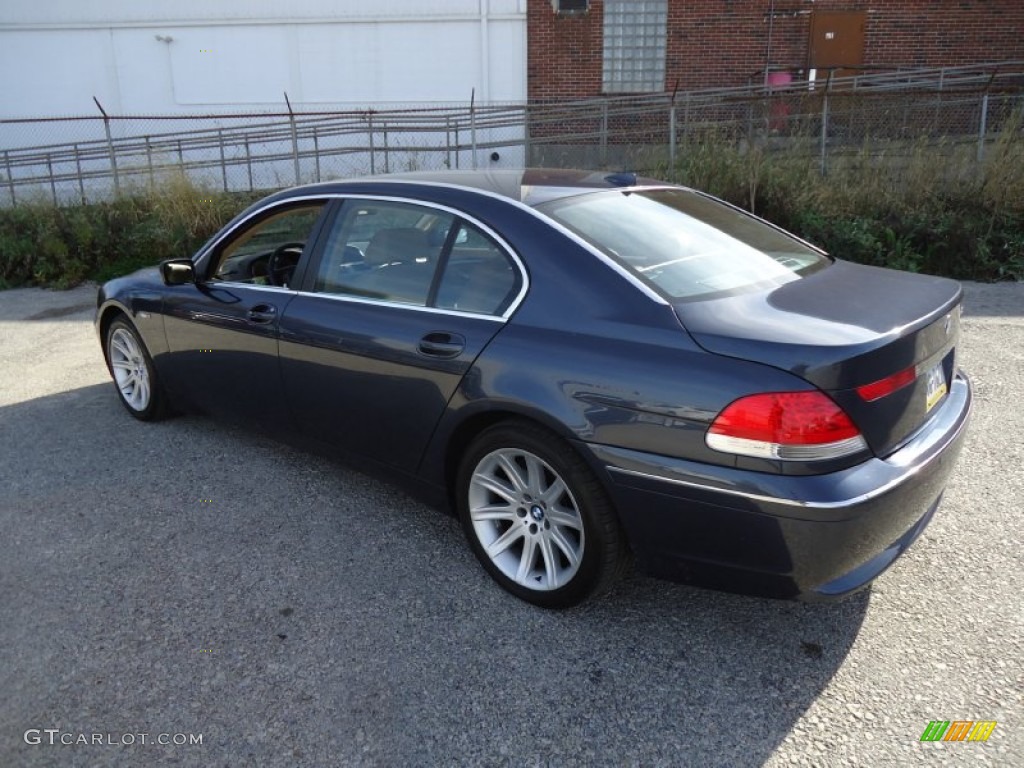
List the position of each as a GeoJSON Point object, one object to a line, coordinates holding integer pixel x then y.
{"type": "Point", "coordinates": [130, 372]}
{"type": "Point", "coordinates": [526, 519]}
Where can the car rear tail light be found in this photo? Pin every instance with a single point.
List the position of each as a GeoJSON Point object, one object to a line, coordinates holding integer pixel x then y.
{"type": "Point", "coordinates": [876, 390]}
{"type": "Point", "coordinates": [794, 426]}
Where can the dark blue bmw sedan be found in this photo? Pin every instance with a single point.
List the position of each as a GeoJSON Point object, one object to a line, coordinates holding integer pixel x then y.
{"type": "Point", "coordinates": [589, 369]}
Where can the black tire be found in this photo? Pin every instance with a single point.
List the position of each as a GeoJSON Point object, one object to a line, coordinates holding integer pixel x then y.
{"type": "Point", "coordinates": [140, 392]}
{"type": "Point", "coordinates": [533, 533]}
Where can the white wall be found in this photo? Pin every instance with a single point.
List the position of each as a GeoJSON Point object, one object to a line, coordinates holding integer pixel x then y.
{"type": "Point", "coordinates": [234, 55]}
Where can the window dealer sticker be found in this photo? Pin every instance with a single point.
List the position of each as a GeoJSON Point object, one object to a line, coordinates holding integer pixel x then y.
{"type": "Point", "coordinates": [936, 387]}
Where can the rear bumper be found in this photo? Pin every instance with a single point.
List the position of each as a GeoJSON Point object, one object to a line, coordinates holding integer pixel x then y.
{"type": "Point", "coordinates": [814, 537]}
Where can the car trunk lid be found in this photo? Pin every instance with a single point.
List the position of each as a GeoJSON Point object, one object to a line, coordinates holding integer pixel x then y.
{"type": "Point", "coordinates": [842, 328]}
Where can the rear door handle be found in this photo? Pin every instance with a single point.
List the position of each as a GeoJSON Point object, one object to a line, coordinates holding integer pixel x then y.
{"type": "Point", "coordinates": [442, 344]}
{"type": "Point", "coordinates": [263, 313]}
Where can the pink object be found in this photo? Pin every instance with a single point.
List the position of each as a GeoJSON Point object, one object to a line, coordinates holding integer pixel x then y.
{"type": "Point", "coordinates": [779, 109]}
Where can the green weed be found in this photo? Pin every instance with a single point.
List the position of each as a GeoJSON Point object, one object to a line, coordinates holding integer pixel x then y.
{"type": "Point", "coordinates": [41, 244]}
{"type": "Point", "coordinates": [922, 206]}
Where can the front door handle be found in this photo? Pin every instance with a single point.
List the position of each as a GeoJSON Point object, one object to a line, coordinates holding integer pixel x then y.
{"type": "Point", "coordinates": [263, 313]}
{"type": "Point", "coordinates": [442, 344]}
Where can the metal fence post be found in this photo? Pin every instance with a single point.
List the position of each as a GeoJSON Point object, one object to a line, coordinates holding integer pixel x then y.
{"type": "Point", "coordinates": [824, 124]}
{"type": "Point", "coordinates": [181, 157]}
{"type": "Point", "coordinates": [672, 130]}
{"type": "Point", "coordinates": [938, 101]}
{"type": "Point", "coordinates": [248, 161]}
{"type": "Point", "coordinates": [603, 152]}
{"type": "Point", "coordinates": [672, 140]}
{"type": "Point", "coordinates": [983, 127]}
{"type": "Point", "coordinates": [10, 177]}
{"type": "Point", "coordinates": [387, 158]}
{"type": "Point", "coordinates": [373, 153]}
{"type": "Point", "coordinates": [78, 169]}
{"type": "Point", "coordinates": [53, 184]}
{"type": "Point", "coordinates": [223, 162]}
{"type": "Point", "coordinates": [149, 163]}
{"type": "Point", "coordinates": [472, 124]}
{"type": "Point", "coordinates": [110, 148]}
{"type": "Point", "coordinates": [447, 141]}
{"type": "Point", "coordinates": [458, 146]}
{"type": "Point", "coordinates": [527, 133]}
{"type": "Point", "coordinates": [316, 154]}
{"type": "Point", "coordinates": [295, 138]}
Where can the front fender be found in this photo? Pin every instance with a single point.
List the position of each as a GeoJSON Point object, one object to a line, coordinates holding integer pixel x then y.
{"type": "Point", "coordinates": [139, 298]}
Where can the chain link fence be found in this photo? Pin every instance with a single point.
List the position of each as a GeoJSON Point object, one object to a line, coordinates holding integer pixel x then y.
{"type": "Point", "coordinates": [83, 159]}
{"type": "Point", "coordinates": [237, 152]}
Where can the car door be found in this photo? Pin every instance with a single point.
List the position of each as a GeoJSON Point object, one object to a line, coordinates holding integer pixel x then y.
{"type": "Point", "coordinates": [222, 331]}
{"type": "Point", "coordinates": [403, 298]}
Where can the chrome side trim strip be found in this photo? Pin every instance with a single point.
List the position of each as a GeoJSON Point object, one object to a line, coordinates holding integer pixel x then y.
{"type": "Point", "coordinates": [223, 285]}
{"type": "Point", "coordinates": [745, 494]}
{"type": "Point", "coordinates": [399, 305]}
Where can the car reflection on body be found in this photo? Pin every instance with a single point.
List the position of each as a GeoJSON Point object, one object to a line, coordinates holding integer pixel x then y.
{"type": "Point", "coordinates": [590, 369]}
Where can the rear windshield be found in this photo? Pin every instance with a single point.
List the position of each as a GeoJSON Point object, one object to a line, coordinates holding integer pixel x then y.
{"type": "Point", "coordinates": [683, 244]}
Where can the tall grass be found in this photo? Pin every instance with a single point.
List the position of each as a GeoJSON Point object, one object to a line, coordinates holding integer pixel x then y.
{"type": "Point", "coordinates": [923, 205]}
{"type": "Point", "coordinates": [41, 244]}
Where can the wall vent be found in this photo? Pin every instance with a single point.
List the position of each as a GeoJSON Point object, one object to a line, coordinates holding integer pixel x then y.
{"type": "Point", "coordinates": [569, 7]}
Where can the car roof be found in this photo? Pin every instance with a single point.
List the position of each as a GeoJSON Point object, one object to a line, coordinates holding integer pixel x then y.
{"type": "Point", "coordinates": [531, 186]}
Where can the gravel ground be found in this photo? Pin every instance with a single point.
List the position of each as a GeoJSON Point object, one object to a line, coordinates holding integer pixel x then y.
{"type": "Point", "coordinates": [186, 578]}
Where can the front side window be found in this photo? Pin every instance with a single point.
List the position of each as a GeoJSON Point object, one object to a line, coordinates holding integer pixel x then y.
{"type": "Point", "coordinates": [266, 252]}
{"type": "Point", "coordinates": [683, 244]}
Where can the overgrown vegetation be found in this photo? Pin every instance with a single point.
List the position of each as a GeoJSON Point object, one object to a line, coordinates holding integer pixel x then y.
{"type": "Point", "coordinates": [921, 206]}
{"type": "Point", "coordinates": [41, 244]}
{"type": "Point", "coordinates": [924, 207]}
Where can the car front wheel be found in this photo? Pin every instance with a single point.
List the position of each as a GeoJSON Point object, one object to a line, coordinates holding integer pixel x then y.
{"type": "Point", "coordinates": [536, 517]}
{"type": "Point", "coordinates": [133, 372]}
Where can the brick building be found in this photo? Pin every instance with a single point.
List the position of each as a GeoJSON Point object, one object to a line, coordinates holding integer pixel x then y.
{"type": "Point", "coordinates": [585, 48]}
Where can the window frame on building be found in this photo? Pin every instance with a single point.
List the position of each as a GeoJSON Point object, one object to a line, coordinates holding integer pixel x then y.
{"type": "Point", "coordinates": [635, 34]}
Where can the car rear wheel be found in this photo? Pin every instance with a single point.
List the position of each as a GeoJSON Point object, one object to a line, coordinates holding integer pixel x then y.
{"type": "Point", "coordinates": [537, 518]}
{"type": "Point", "coordinates": [134, 375]}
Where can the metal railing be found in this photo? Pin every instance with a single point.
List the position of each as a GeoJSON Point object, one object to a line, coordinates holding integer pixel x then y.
{"type": "Point", "coordinates": [80, 159]}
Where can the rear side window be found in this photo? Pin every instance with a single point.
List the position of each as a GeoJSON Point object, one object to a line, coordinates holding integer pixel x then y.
{"type": "Point", "coordinates": [384, 250]}
{"type": "Point", "coordinates": [683, 244]}
{"type": "Point", "coordinates": [406, 253]}
{"type": "Point", "coordinates": [478, 276]}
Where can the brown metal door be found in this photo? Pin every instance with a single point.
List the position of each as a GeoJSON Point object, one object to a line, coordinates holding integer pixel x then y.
{"type": "Point", "coordinates": [837, 40]}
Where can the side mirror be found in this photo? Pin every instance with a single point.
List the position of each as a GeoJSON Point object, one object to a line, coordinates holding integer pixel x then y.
{"type": "Point", "coordinates": [178, 271]}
